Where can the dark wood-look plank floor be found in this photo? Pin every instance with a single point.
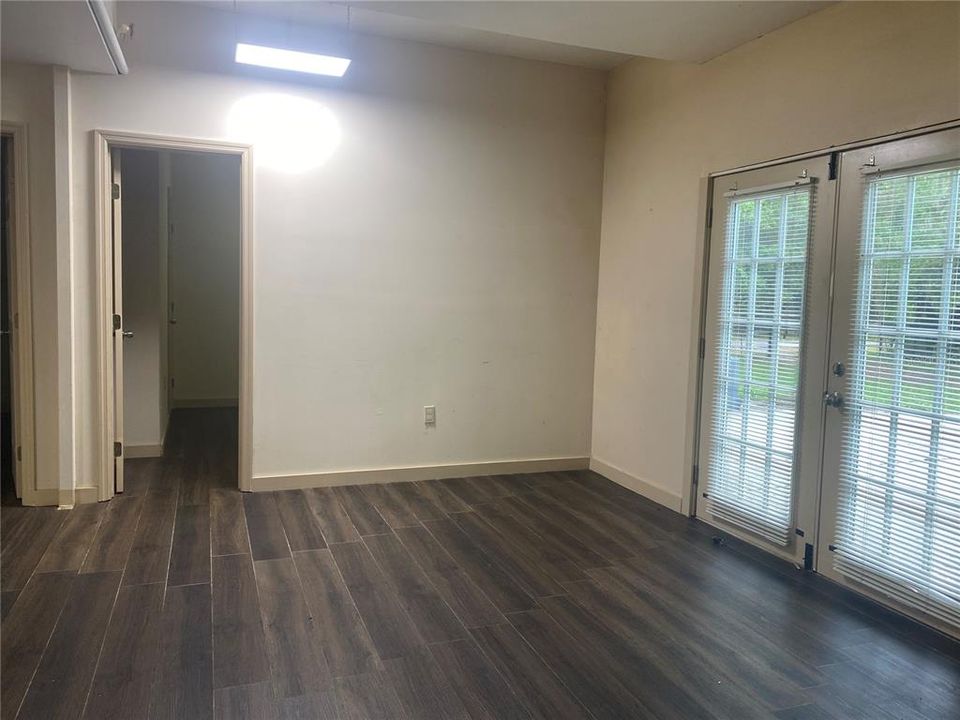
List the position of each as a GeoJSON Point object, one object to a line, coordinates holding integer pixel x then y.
{"type": "Point", "coordinates": [297, 664]}
{"type": "Point", "coordinates": [238, 639]}
{"type": "Point", "coordinates": [346, 643]}
{"type": "Point", "coordinates": [549, 595]}
{"type": "Point", "coordinates": [60, 686]}
{"type": "Point", "coordinates": [335, 524]}
{"type": "Point", "coordinates": [130, 655]}
{"type": "Point", "coordinates": [25, 540]}
{"type": "Point", "coordinates": [183, 686]}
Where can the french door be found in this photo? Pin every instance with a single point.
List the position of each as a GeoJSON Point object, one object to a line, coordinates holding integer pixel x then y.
{"type": "Point", "coordinates": [891, 479]}
{"type": "Point", "coordinates": [830, 415]}
{"type": "Point", "coordinates": [769, 278]}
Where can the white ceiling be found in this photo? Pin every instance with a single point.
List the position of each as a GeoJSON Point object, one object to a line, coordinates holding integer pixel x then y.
{"type": "Point", "coordinates": [53, 33]}
{"type": "Point", "coordinates": [362, 17]}
{"type": "Point", "coordinates": [593, 33]}
{"type": "Point", "coordinates": [596, 34]}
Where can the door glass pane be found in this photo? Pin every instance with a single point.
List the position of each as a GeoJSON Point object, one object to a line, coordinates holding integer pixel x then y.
{"type": "Point", "coordinates": [899, 499]}
{"type": "Point", "coordinates": [751, 477]}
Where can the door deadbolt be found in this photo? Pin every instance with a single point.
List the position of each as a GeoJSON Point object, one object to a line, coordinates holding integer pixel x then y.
{"type": "Point", "coordinates": [833, 399]}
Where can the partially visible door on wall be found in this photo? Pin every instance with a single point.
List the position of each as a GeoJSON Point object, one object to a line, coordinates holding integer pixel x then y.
{"type": "Point", "coordinates": [891, 478]}
{"type": "Point", "coordinates": [11, 485]}
{"type": "Point", "coordinates": [763, 378]}
{"type": "Point", "coordinates": [118, 331]}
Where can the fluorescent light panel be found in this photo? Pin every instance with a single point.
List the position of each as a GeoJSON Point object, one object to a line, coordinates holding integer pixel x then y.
{"type": "Point", "coordinates": [291, 60]}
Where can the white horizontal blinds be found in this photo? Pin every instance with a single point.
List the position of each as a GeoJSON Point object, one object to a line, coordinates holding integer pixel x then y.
{"type": "Point", "coordinates": [900, 474]}
{"type": "Point", "coordinates": [750, 481]}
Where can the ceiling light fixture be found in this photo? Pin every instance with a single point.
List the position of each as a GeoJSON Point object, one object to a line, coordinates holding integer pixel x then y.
{"type": "Point", "coordinates": [291, 60]}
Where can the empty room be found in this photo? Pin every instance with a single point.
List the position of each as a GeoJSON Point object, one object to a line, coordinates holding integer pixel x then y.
{"type": "Point", "coordinates": [480, 360]}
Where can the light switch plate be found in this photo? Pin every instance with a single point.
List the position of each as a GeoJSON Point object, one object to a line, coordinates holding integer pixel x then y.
{"type": "Point", "coordinates": [430, 415]}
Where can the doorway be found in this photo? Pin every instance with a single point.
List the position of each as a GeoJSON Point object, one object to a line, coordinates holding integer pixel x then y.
{"type": "Point", "coordinates": [175, 287]}
{"type": "Point", "coordinates": [10, 492]}
{"type": "Point", "coordinates": [830, 412]}
{"type": "Point", "coordinates": [16, 346]}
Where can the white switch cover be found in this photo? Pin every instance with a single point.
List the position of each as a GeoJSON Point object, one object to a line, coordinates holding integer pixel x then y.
{"type": "Point", "coordinates": [430, 415]}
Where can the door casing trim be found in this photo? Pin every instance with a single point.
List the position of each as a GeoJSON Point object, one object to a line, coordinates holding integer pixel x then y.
{"type": "Point", "coordinates": [103, 141]}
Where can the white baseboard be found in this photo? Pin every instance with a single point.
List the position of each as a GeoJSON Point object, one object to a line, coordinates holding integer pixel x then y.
{"type": "Point", "coordinates": [418, 472]}
{"type": "Point", "coordinates": [142, 451]}
{"type": "Point", "coordinates": [85, 495]}
{"type": "Point", "coordinates": [649, 490]}
{"type": "Point", "coordinates": [147, 450]}
{"type": "Point", "coordinates": [204, 403]}
{"type": "Point", "coordinates": [45, 497]}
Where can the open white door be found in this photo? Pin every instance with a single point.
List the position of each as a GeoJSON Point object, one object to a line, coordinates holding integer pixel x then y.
{"type": "Point", "coordinates": [118, 331]}
{"type": "Point", "coordinates": [763, 354]}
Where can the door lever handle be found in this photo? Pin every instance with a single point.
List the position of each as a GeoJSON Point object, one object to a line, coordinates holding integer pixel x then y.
{"type": "Point", "coordinates": [127, 334]}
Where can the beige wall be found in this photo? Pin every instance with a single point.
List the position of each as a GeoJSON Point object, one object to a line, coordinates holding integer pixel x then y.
{"type": "Point", "coordinates": [442, 250]}
{"type": "Point", "coordinates": [853, 71]}
{"type": "Point", "coordinates": [205, 279]}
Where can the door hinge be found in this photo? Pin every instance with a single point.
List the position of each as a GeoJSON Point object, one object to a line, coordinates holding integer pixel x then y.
{"type": "Point", "coordinates": [117, 449]}
{"type": "Point", "coordinates": [709, 217]}
{"type": "Point", "coordinates": [696, 478]}
{"type": "Point", "coordinates": [115, 191]}
{"type": "Point", "coordinates": [19, 454]}
{"type": "Point", "coordinates": [116, 322]}
{"type": "Point", "coordinates": [702, 349]}
{"type": "Point", "coordinates": [832, 166]}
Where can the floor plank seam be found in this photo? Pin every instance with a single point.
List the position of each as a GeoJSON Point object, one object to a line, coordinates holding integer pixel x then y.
{"type": "Point", "coordinates": [96, 664]}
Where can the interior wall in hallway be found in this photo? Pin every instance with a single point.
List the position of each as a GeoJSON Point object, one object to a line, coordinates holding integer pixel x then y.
{"type": "Point", "coordinates": [204, 270]}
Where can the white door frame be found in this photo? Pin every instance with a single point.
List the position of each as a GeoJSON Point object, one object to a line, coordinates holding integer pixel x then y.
{"type": "Point", "coordinates": [103, 141]}
{"type": "Point", "coordinates": [19, 275]}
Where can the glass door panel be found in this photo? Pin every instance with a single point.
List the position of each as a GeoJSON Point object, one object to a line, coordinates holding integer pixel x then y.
{"type": "Point", "coordinates": [891, 476]}
{"type": "Point", "coordinates": [770, 246]}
